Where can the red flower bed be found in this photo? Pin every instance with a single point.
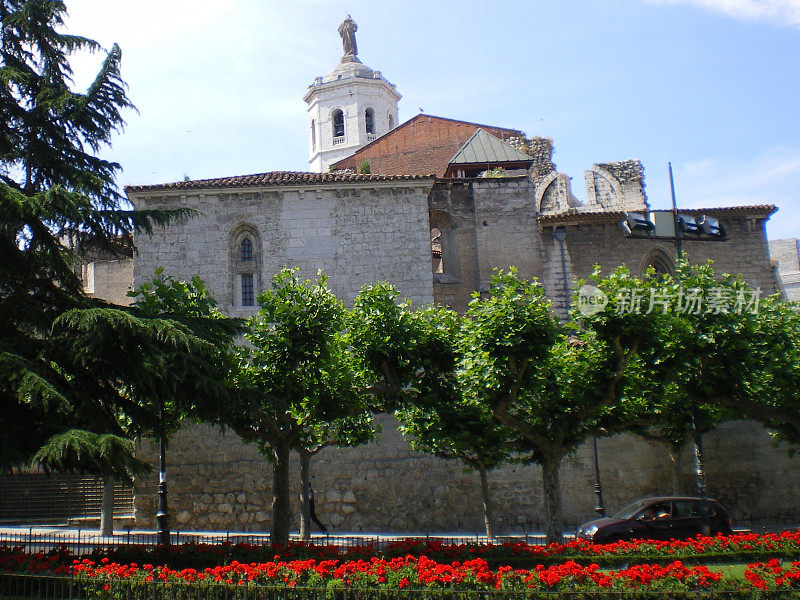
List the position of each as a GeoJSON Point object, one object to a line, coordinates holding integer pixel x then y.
{"type": "Point", "coordinates": [432, 565]}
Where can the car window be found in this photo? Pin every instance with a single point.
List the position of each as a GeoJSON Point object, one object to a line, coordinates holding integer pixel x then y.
{"type": "Point", "coordinates": [626, 512]}
{"type": "Point", "coordinates": [656, 511]}
{"type": "Point", "coordinates": [684, 509]}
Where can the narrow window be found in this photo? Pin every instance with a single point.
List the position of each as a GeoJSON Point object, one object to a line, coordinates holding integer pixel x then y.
{"type": "Point", "coordinates": [248, 297]}
{"type": "Point", "coordinates": [338, 123]}
{"type": "Point", "coordinates": [246, 250]}
{"type": "Point", "coordinates": [369, 119]}
{"type": "Point", "coordinates": [313, 134]}
{"type": "Point", "coordinates": [436, 250]}
{"type": "Point", "coordinates": [391, 123]}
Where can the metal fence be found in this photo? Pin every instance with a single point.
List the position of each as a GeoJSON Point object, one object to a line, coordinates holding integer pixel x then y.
{"type": "Point", "coordinates": [38, 496]}
{"type": "Point", "coordinates": [39, 587]}
{"type": "Point", "coordinates": [81, 542]}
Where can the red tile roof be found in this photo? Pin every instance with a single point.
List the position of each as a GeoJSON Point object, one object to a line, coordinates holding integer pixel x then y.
{"type": "Point", "coordinates": [271, 178]}
{"type": "Point", "coordinates": [422, 145]}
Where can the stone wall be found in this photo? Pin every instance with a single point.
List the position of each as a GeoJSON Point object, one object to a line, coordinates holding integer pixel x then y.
{"type": "Point", "coordinates": [217, 483]}
{"type": "Point", "coordinates": [108, 279]}
{"type": "Point", "coordinates": [785, 255]}
{"type": "Point", "coordinates": [356, 234]}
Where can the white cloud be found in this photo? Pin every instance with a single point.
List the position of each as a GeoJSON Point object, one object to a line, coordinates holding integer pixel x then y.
{"type": "Point", "coordinates": [782, 12]}
{"type": "Point", "coordinates": [772, 177]}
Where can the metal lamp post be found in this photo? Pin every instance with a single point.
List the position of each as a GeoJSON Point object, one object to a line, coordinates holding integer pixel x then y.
{"type": "Point", "coordinates": [162, 518]}
{"type": "Point", "coordinates": [600, 508]}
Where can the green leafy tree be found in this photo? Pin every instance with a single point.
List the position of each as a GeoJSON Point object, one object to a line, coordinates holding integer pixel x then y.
{"type": "Point", "coordinates": [142, 370]}
{"type": "Point", "coordinates": [552, 387]}
{"type": "Point", "coordinates": [102, 455]}
{"type": "Point", "coordinates": [294, 378]}
{"type": "Point", "coordinates": [457, 428]}
{"type": "Point", "coordinates": [352, 430]}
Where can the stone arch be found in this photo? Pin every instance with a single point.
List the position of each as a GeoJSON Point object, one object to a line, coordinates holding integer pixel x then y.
{"type": "Point", "coordinates": [245, 259]}
{"type": "Point", "coordinates": [660, 261]}
{"type": "Point", "coordinates": [445, 259]}
{"type": "Point", "coordinates": [603, 188]}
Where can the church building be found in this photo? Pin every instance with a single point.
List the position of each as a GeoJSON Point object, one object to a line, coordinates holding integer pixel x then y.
{"type": "Point", "coordinates": [432, 205]}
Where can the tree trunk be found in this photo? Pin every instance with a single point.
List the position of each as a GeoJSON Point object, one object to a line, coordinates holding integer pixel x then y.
{"type": "Point", "coordinates": [676, 463]}
{"type": "Point", "coordinates": [551, 486]}
{"type": "Point", "coordinates": [281, 505]}
{"type": "Point", "coordinates": [488, 516]}
{"type": "Point", "coordinates": [107, 507]}
{"type": "Point", "coordinates": [305, 488]}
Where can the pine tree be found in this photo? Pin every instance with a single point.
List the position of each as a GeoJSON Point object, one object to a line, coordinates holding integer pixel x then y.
{"type": "Point", "coordinates": [56, 197]}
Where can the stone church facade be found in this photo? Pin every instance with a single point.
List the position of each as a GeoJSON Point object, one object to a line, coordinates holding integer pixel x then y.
{"type": "Point", "coordinates": [428, 220]}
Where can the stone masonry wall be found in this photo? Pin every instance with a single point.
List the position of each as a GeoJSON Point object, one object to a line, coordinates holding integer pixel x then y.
{"type": "Point", "coordinates": [217, 483]}
{"type": "Point", "coordinates": [605, 244]}
{"type": "Point", "coordinates": [357, 235]}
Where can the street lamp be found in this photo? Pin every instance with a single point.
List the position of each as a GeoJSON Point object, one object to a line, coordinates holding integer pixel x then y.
{"type": "Point", "coordinates": [162, 518]}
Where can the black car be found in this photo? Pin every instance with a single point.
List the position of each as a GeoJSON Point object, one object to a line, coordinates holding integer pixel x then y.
{"type": "Point", "coordinates": [662, 518]}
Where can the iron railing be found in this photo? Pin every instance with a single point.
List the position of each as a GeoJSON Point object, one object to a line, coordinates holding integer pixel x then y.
{"type": "Point", "coordinates": [81, 542]}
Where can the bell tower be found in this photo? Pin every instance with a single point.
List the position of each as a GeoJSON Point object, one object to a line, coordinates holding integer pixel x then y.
{"type": "Point", "coordinates": [349, 107]}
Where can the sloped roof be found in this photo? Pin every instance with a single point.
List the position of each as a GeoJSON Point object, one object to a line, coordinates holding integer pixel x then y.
{"type": "Point", "coordinates": [484, 148]}
{"type": "Point", "coordinates": [422, 145]}
{"type": "Point", "coordinates": [270, 178]}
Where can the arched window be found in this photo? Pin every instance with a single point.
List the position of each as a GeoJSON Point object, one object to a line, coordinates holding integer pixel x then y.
{"type": "Point", "coordinates": [245, 266]}
{"type": "Point", "coordinates": [391, 122]}
{"type": "Point", "coordinates": [369, 120]}
{"type": "Point", "coordinates": [246, 250]}
{"type": "Point", "coordinates": [436, 250]}
{"type": "Point", "coordinates": [445, 259]}
{"type": "Point", "coordinates": [337, 118]}
{"type": "Point", "coordinates": [661, 263]}
{"type": "Point", "coordinates": [313, 134]}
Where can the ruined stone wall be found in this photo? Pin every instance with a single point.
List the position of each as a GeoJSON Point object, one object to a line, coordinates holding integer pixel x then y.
{"type": "Point", "coordinates": [356, 234]}
{"type": "Point", "coordinates": [216, 483]}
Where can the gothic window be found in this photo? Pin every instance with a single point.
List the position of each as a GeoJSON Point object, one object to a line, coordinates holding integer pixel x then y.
{"type": "Point", "coordinates": [245, 266]}
{"type": "Point", "coordinates": [246, 250]}
{"type": "Point", "coordinates": [338, 123]}
{"type": "Point", "coordinates": [369, 120]}
{"type": "Point", "coordinates": [661, 263]}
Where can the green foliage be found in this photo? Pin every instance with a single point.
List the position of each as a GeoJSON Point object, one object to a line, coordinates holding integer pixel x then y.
{"type": "Point", "coordinates": [363, 167]}
{"type": "Point", "coordinates": [56, 198]}
{"type": "Point", "coordinates": [78, 451]}
{"type": "Point", "coordinates": [296, 380]}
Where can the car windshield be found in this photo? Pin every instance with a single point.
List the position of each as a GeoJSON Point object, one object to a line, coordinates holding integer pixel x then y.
{"type": "Point", "coordinates": [631, 509]}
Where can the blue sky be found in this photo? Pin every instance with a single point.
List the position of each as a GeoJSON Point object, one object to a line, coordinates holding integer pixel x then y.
{"type": "Point", "coordinates": [711, 85]}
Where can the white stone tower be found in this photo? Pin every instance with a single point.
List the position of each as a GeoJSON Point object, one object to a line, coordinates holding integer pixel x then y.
{"type": "Point", "coordinates": [349, 107]}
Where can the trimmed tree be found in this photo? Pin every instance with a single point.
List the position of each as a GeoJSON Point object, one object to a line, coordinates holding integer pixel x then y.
{"type": "Point", "coordinates": [293, 379]}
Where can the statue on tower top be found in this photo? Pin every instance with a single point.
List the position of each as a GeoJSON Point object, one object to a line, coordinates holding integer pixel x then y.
{"type": "Point", "coordinates": [348, 30]}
